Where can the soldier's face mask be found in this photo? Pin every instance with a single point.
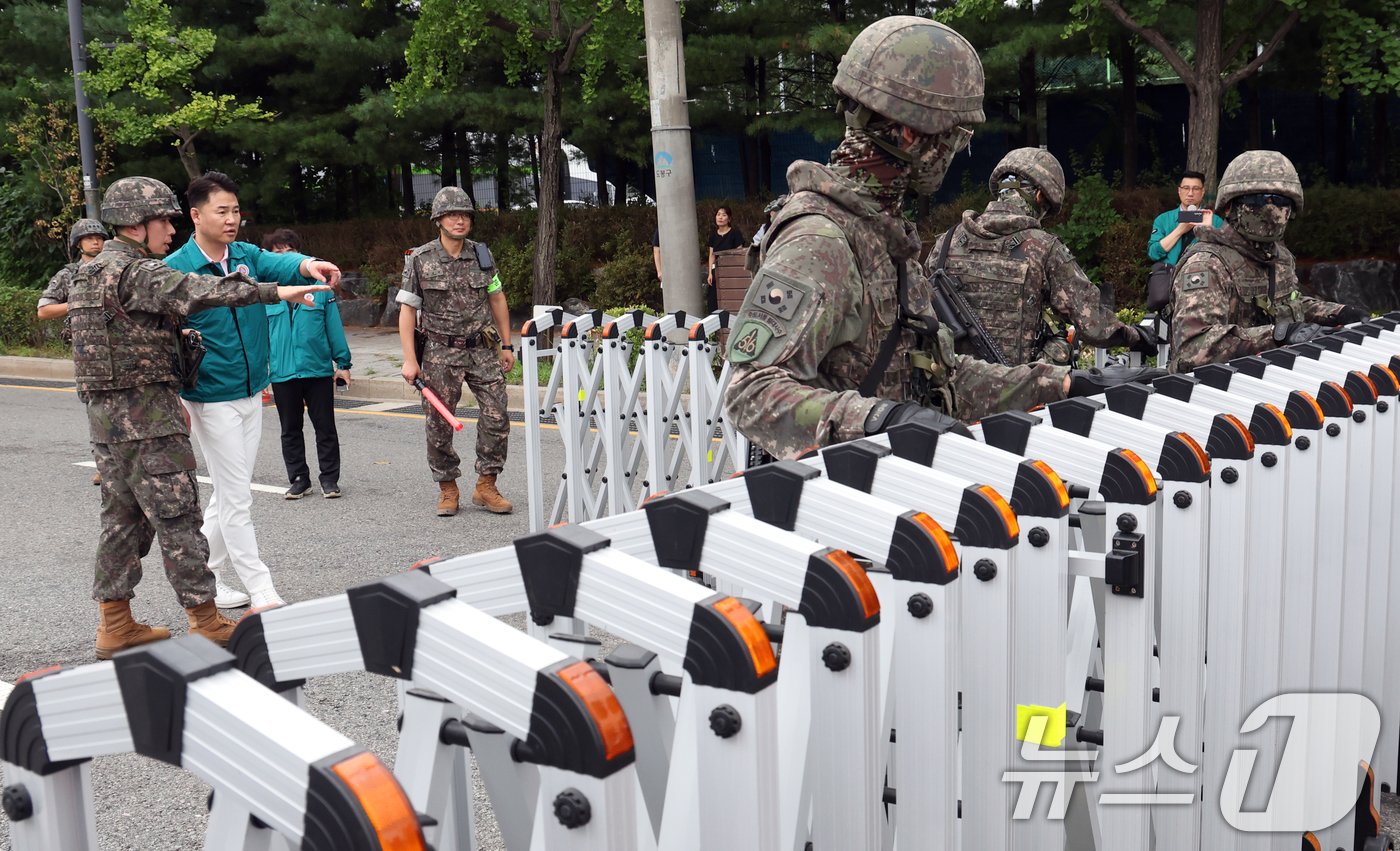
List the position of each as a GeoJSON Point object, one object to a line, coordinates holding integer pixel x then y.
{"type": "Point", "coordinates": [1261, 217]}
{"type": "Point", "coordinates": [932, 156]}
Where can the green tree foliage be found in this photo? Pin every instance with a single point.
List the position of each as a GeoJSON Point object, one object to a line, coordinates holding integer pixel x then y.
{"type": "Point", "coordinates": [149, 84]}
{"type": "Point", "coordinates": [544, 45]}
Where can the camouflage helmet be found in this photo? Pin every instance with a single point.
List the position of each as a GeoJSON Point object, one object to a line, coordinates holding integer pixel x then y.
{"type": "Point", "coordinates": [85, 227]}
{"type": "Point", "coordinates": [776, 204]}
{"type": "Point", "coordinates": [451, 199]}
{"type": "Point", "coordinates": [1034, 166]}
{"type": "Point", "coordinates": [136, 200]}
{"type": "Point", "coordinates": [1260, 171]}
{"type": "Point", "coordinates": [917, 72]}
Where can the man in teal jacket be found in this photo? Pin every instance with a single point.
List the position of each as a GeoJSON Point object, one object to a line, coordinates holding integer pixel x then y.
{"type": "Point", "coordinates": [308, 351]}
{"type": "Point", "coordinates": [1170, 234]}
{"type": "Point", "coordinates": [225, 411]}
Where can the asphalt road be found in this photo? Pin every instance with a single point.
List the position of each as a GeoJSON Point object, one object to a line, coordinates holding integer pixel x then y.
{"type": "Point", "coordinates": [315, 548]}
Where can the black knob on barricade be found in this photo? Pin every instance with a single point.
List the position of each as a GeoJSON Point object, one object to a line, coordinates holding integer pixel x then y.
{"type": "Point", "coordinates": [572, 808]}
{"type": "Point", "coordinates": [725, 721]}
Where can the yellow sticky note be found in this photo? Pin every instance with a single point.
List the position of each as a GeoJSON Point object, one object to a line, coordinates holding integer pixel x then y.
{"type": "Point", "coordinates": [581, 395]}
{"type": "Point", "coordinates": [1049, 733]}
{"type": "Point", "coordinates": [710, 456]}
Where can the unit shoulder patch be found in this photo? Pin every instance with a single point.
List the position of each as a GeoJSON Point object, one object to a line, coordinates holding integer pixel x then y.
{"type": "Point", "coordinates": [749, 341]}
{"type": "Point", "coordinates": [777, 294]}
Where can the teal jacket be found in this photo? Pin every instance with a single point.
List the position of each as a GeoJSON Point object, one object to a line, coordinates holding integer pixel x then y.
{"type": "Point", "coordinates": [1163, 225]}
{"type": "Point", "coordinates": [235, 364]}
{"type": "Point", "coordinates": [306, 338]}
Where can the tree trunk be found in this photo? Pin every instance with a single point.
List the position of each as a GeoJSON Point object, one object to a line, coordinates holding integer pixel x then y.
{"type": "Point", "coordinates": [189, 157]}
{"type": "Point", "coordinates": [449, 155]}
{"type": "Point", "coordinates": [1126, 58]}
{"type": "Point", "coordinates": [298, 186]}
{"type": "Point", "coordinates": [503, 171]}
{"type": "Point", "coordinates": [1028, 100]}
{"type": "Point", "coordinates": [547, 234]}
{"type": "Point", "coordinates": [1380, 140]}
{"type": "Point", "coordinates": [1341, 116]}
{"type": "Point", "coordinates": [406, 188]}
{"type": "Point", "coordinates": [1203, 127]}
{"type": "Point", "coordinates": [465, 150]}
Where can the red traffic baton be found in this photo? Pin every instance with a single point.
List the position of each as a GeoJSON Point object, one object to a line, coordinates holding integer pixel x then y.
{"type": "Point", "coordinates": [437, 404]}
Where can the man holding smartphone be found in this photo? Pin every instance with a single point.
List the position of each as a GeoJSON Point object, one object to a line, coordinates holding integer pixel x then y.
{"type": "Point", "coordinates": [1171, 231]}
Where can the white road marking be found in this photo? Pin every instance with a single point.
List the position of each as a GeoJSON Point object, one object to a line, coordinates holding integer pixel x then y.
{"type": "Point", "coordinates": [205, 480]}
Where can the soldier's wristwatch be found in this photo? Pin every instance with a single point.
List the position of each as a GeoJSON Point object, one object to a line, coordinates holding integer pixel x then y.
{"type": "Point", "coordinates": [507, 347]}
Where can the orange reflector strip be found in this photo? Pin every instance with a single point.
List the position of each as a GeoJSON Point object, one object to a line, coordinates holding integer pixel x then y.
{"type": "Point", "coordinates": [1143, 470]}
{"type": "Point", "coordinates": [752, 632]}
{"type": "Point", "coordinates": [1342, 390]}
{"type": "Point", "coordinates": [1311, 400]}
{"type": "Point", "coordinates": [1287, 429]}
{"type": "Point", "coordinates": [1388, 371]}
{"type": "Point", "coordinates": [1366, 378]}
{"type": "Point", "coordinates": [869, 600]}
{"type": "Point", "coordinates": [609, 330]}
{"type": "Point", "coordinates": [603, 705]}
{"type": "Point", "coordinates": [1008, 517]}
{"type": "Point", "coordinates": [383, 801]}
{"type": "Point", "coordinates": [1060, 490]}
{"type": "Point", "coordinates": [1312, 842]}
{"type": "Point", "coordinates": [946, 550]}
{"type": "Point", "coordinates": [1244, 432]}
{"type": "Point", "coordinates": [1195, 447]}
{"type": "Point", "coordinates": [696, 332]}
{"type": "Point", "coordinates": [567, 330]}
{"type": "Point", "coordinates": [38, 672]}
{"type": "Point", "coordinates": [424, 562]}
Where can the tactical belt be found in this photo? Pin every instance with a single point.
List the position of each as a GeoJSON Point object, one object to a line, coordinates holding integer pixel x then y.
{"type": "Point", "coordinates": [471, 341]}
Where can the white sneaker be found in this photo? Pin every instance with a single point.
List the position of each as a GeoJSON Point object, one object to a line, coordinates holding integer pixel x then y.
{"type": "Point", "coordinates": [227, 598]}
{"type": "Point", "coordinates": [263, 599]}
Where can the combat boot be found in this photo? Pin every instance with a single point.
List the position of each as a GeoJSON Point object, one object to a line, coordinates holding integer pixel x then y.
{"type": "Point", "coordinates": [448, 498]}
{"type": "Point", "coordinates": [205, 620]}
{"type": "Point", "coordinates": [118, 630]}
{"type": "Point", "coordinates": [489, 498]}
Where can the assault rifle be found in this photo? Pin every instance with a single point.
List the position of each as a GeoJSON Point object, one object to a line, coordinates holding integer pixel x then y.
{"type": "Point", "coordinates": [954, 311]}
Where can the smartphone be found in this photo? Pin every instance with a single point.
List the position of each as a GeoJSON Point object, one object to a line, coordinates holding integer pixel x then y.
{"type": "Point", "coordinates": [341, 385]}
{"type": "Point", "coordinates": [1193, 216]}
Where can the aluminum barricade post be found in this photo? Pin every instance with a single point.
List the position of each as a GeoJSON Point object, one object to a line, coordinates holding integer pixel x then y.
{"type": "Point", "coordinates": [538, 405]}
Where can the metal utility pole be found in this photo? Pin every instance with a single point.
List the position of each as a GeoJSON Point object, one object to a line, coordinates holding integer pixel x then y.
{"type": "Point", "coordinates": [681, 278]}
{"type": "Point", "coordinates": [91, 198]}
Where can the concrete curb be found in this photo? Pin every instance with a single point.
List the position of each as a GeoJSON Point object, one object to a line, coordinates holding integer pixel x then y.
{"type": "Point", "coordinates": [367, 389]}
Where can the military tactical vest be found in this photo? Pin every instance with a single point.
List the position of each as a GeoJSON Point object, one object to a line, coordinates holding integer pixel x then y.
{"type": "Point", "coordinates": [454, 294]}
{"type": "Point", "coordinates": [113, 349]}
{"type": "Point", "coordinates": [1249, 280]}
{"type": "Point", "coordinates": [1005, 288]}
{"type": "Point", "coordinates": [847, 366]}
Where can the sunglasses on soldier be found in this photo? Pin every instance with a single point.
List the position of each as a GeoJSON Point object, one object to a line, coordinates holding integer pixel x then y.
{"type": "Point", "coordinates": [1259, 199]}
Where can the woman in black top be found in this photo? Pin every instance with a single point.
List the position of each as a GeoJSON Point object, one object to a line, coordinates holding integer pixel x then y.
{"type": "Point", "coordinates": [723, 238]}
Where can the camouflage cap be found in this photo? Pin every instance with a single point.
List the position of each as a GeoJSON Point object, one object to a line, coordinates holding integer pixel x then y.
{"type": "Point", "coordinates": [85, 227]}
{"type": "Point", "coordinates": [1037, 167]}
{"type": "Point", "coordinates": [451, 199]}
{"type": "Point", "coordinates": [135, 200]}
{"type": "Point", "coordinates": [917, 72]}
{"type": "Point", "coordinates": [1260, 171]}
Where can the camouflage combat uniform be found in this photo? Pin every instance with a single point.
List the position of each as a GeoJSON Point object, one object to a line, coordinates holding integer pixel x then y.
{"type": "Point", "coordinates": [1228, 294]}
{"type": "Point", "coordinates": [1012, 272]}
{"type": "Point", "coordinates": [455, 311]}
{"type": "Point", "coordinates": [1236, 288]}
{"type": "Point", "coordinates": [824, 299]}
{"type": "Point", "coordinates": [126, 310]}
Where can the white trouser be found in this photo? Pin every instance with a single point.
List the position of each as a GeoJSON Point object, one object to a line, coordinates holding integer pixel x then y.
{"type": "Point", "coordinates": [228, 433]}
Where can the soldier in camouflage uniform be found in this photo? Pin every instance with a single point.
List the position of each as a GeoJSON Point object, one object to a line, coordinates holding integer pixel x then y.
{"type": "Point", "coordinates": [840, 279]}
{"type": "Point", "coordinates": [1236, 289]}
{"type": "Point", "coordinates": [452, 282]}
{"type": "Point", "coordinates": [126, 307]}
{"type": "Point", "coordinates": [1019, 277]}
{"type": "Point", "coordinates": [85, 238]}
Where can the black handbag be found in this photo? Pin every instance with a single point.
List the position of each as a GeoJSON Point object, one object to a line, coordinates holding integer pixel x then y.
{"type": "Point", "coordinates": [1159, 285]}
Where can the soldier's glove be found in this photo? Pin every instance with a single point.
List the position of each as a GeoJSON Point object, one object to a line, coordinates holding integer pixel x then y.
{"type": "Point", "coordinates": [886, 414]}
{"type": "Point", "coordinates": [1293, 333]}
{"type": "Point", "coordinates": [1091, 382]}
{"type": "Point", "coordinates": [1350, 314]}
{"type": "Point", "coordinates": [1147, 341]}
